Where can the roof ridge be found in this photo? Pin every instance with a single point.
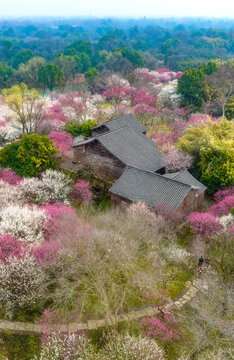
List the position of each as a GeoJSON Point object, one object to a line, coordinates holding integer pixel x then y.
{"type": "Point", "coordinates": [111, 131]}
{"type": "Point", "coordinates": [120, 117]}
{"type": "Point", "coordinates": [158, 175]}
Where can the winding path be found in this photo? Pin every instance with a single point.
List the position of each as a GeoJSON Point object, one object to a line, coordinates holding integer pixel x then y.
{"type": "Point", "coordinates": [28, 328]}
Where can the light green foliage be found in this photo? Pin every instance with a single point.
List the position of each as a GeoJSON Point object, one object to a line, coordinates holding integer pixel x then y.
{"type": "Point", "coordinates": [212, 146]}
{"type": "Point", "coordinates": [23, 101]}
{"type": "Point", "coordinates": [32, 155]}
{"type": "Point", "coordinates": [75, 129]}
{"type": "Point", "coordinates": [217, 165]}
{"type": "Point", "coordinates": [92, 73]}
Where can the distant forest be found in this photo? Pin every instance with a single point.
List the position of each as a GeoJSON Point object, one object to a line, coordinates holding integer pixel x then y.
{"type": "Point", "coordinates": [37, 51]}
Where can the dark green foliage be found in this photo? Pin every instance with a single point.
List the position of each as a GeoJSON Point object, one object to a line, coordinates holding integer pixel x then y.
{"type": "Point", "coordinates": [21, 347]}
{"type": "Point", "coordinates": [22, 57]}
{"type": "Point", "coordinates": [229, 108]}
{"type": "Point", "coordinates": [5, 72]}
{"type": "Point", "coordinates": [50, 76]}
{"type": "Point", "coordinates": [192, 87]}
{"type": "Point", "coordinates": [30, 156]}
{"type": "Point", "coordinates": [75, 129]}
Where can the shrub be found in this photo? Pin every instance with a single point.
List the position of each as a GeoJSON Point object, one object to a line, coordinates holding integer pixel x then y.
{"type": "Point", "coordinates": [223, 207]}
{"type": "Point", "coordinates": [127, 346]}
{"type": "Point", "coordinates": [205, 224]}
{"type": "Point", "coordinates": [10, 177]}
{"type": "Point", "coordinates": [61, 140]}
{"type": "Point", "coordinates": [161, 328]}
{"type": "Point", "coordinates": [23, 222]}
{"type": "Point", "coordinates": [20, 283]}
{"type": "Point", "coordinates": [81, 191]}
{"type": "Point", "coordinates": [30, 156]}
{"type": "Point", "coordinates": [57, 184]}
{"type": "Point", "coordinates": [10, 246]}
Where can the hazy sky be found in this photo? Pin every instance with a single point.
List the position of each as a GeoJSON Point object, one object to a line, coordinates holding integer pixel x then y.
{"type": "Point", "coordinates": [131, 8]}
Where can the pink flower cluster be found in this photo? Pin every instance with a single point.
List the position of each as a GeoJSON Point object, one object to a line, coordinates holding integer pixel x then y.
{"type": "Point", "coordinates": [175, 160]}
{"type": "Point", "coordinates": [222, 193]}
{"type": "Point", "coordinates": [223, 207]}
{"type": "Point", "coordinates": [81, 191]}
{"type": "Point", "coordinates": [62, 140]}
{"type": "Point", "coordinates": [161, 328]}
{"type": "Point", "coordinates": [48, 250]}
{"type": "Point", "coordinates": [10, 177]}
{"type": "Point", "coordinates": [55, 212]}
{"type": "Point", "coordinates": [10, 246]}
{"type": "Point", "coordinates": [205, 224]}
{"type": "Point", "coordinates": [164, 139]}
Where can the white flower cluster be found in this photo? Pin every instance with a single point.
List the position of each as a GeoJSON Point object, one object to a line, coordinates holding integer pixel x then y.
{"type": "Point", "coordinates": [58, 185]}
{"type": "Point", "coordinates": [9, 195]}
{"type": "Point", "coordinates": [118, 347]}
{"type": "Point", "coordinates": [53, 186]}
{"type": "Point", "coordinates": [117, 81]}
{"type": "Point", "coordinates": [67, 347]}
{"type": "Point", "coordinates": [131, 347]}
{"type": "Point", "coordinates": [176, 254]}
{"type": "Point", "coordinates": [24, 222]}
{"type": "Point", "coordinates": [20, 283]}
{"type": "Point", "coordinates": [227, 221]}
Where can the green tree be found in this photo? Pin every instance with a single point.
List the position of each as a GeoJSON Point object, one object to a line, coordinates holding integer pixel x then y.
{"type": "Point", "coordinates": [229, 108]}
{"type": "Point", "coordinates": [6, 71]}
{"type": "Point", "coordinates": [192, 88]}
{"type": "Point", "coordinates": [50, 76]}
{"type": "Point", "coordinates": [217, 165]}
{"type": "Point", "coordinates": [30, 156]}
{"type": "Point", "coordinates": [212, 146]}
{"type": "Point", "coordinates": [80, 46]}
{"type": "Point", "coordinates": [85, 60]}
{"type": "Point", "coordinates": [28, 73]}
{"type": "Point", "coordinates": [22, 57]}
{"type": "Point", "coordinates": [91, 74]}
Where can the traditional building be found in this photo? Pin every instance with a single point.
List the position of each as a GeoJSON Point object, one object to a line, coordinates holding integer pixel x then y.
{"type": "Point", "coordinates": [140, 185]}
{"type": "Point", "coordinates": [109, 154]}
{"type": "Point", "coordinates": [120, 151]}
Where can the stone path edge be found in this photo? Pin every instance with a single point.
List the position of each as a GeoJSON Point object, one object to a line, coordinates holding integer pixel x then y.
{"type": "Point", "coordinates": [29, 328]}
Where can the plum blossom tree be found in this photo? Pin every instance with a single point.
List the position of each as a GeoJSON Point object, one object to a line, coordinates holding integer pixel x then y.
{"type": "Point", "coordinates": [10, 177]}
{"type": "Point", "coordinates": [21, 282]}
{"type": "Point", "coordinates": [62, 140]}
{"type": "Point", "coordinates": [205, 224]}
{"type": "Point", "coordinates": [10, 247]}
{"type": "Point", "coordinates": [175, 160]}
{"type": "Point", "coordinates": [23, 222]}
{"type": "Point", "coordinates": [81, 191]}
{"type": "Point", "coordinates": [27, 109]}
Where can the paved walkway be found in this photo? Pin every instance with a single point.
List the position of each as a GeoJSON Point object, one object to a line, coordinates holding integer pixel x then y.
{"type": "Point", "coordinates": [27, 328]}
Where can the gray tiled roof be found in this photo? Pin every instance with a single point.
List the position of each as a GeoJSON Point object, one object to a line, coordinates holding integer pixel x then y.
{"type": "Point", "coordinates": [139, 185]}
{"type": "Point", "coordinates": [124, 120]}
{"type": "Point", "coordinates": [129, 147]}
{"type": "Point", "coordinates": [132, 149]}
{"type": "Point", "coordinates": [185, 177]}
